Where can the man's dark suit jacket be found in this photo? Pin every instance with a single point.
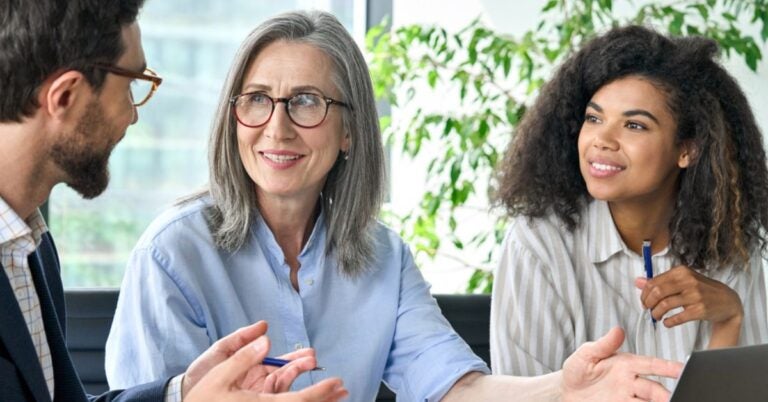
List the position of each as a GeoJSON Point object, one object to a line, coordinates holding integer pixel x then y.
{"type": "Point", "coordinates": [21, 377]}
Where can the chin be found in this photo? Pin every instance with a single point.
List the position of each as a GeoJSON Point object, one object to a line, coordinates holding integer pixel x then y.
{"type": "Point", "coordinates": [91, 186]}
{"type": "Point", "coordinates": [601, 194]}
{"type": "Point", "coordinates": [275, 191]}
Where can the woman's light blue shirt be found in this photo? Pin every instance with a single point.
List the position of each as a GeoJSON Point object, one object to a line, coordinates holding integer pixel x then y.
{"type": "Point", "coordinates": [181, 293]}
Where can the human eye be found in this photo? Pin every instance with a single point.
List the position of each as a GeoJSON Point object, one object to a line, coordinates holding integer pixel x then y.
{"type": "Point", "coordinates": [307, 101]}
{"type": "Point", "coordinates": [591, 118]}
{"type": "Point", "coordinates": [633, 125]}
{"type": "Point", "coordinates": [257, 98]}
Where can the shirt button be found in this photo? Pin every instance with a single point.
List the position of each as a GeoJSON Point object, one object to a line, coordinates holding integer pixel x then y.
{"type": "Point", "coordinates": [310, 282]}
{"type": "Point", "coordinates": [298, 346]}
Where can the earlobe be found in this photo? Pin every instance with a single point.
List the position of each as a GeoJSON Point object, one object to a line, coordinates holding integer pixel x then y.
{"type": "Point", "coordinates": [58, 94]}
{"type": "Point", "coordinates": [345, 144]}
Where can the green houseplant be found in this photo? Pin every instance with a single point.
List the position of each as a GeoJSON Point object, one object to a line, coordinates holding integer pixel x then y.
{"type": "Point", "coordinates": [489, 78]}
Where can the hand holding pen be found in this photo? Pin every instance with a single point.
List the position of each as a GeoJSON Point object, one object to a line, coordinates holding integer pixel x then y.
{"type": "Point", "coordinates": [700, 297]}
{"type": "Point", "coordinates": [281, 371]}
{"type": "Point", "coordinates": [256, 376]}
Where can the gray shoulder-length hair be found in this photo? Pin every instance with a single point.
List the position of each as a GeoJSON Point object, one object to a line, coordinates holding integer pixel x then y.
{"type": "Point", "coordinates": [354, 188]}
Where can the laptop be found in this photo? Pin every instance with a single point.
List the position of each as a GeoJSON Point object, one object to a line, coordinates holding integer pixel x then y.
{"type": "Point", "coordinates": [732, 374]}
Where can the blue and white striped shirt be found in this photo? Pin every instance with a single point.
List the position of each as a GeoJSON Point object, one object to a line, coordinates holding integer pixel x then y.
{"type": "Point", "coordinates": [556, 289]}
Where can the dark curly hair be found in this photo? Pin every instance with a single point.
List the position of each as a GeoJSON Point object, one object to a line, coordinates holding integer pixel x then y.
{"type": "Point", "coordinates": [40, 37]}
{"type": "Point", "coordinates": [721, 210]}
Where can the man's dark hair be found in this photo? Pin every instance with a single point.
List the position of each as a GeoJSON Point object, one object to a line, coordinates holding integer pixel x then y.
{"type": "Point", "coordinates": [721, 210]}
{"type": "Point", "coordinates": [41, 37]}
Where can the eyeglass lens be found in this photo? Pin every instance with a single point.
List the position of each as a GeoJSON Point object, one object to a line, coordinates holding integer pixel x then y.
{"type": "Point", "coordinates": [141, 90]}
{"type": "Point", "coordinates": [306, 110]}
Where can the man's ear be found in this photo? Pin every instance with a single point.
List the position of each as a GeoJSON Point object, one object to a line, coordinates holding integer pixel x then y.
{"type": "Point", "coordinates": [688, 154]}
{"type": "Point", "coordinates": [59, 95]}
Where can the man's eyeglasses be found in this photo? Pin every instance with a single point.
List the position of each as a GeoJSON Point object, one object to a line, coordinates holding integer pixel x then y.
{"type": "Point", "coordinates": [307, 110]}
{"type": "Point", "coordinates": [143, 85]}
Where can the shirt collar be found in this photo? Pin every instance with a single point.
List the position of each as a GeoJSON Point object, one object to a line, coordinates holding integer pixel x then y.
{"type": "Point", "coordinates": [604, 239]}
{"type": "Point", "coordinates": [13, 227]}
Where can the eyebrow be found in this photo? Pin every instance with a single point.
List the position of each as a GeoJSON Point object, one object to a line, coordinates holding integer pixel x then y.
{"type": "Point", "coordinates": [294, 90]}
{"type": "Point", "coordinates": [628, 113]}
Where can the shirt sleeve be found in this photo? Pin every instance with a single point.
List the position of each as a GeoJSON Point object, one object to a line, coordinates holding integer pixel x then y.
{"type": "Point", "coordinates": [531, 330]}
{"type": "Point", "coordinates": [750, 285]}
{"type": "Point", "coordinates": [427, 356]}
{"type": "Point", "coordinates": [173, 390]}
{"type": "Point", "coordinates": [158, 328]}
{"type": "Point", "coordinates": [151, 392]}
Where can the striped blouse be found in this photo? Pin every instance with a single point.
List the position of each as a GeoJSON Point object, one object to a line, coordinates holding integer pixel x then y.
{"type": "Point", "coordinates": [555, 290]}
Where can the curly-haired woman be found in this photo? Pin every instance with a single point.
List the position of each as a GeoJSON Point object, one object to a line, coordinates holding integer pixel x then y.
{"type": "Point", "coordinates": [637, 138]}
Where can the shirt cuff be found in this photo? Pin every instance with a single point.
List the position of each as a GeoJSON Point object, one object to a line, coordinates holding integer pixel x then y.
{"type": "Point", "coordinates": [173, 390]}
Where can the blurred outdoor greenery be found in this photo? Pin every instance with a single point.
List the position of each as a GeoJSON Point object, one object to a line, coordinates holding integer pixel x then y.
{"type": "Point", "coordinates": [463, 93]}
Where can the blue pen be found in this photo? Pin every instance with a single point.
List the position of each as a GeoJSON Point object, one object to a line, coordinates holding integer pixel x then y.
{"type": "Point", "coordinates": [273, 361]}
{"type": "Point", "coordinates": [648, 268]}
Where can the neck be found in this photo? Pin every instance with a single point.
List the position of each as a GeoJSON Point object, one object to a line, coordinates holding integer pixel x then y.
{"type": "Point", "coordinates": [637, 222]}
{"type": "Point", "coordinates": [291, 221]}
{"type": "Point", "coordinates": [27, 180]}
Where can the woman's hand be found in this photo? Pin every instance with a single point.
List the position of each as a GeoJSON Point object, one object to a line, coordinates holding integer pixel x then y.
{"type": "Point", "coordinates": [700, 297]}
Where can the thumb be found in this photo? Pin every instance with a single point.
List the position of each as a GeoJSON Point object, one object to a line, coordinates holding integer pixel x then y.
{"type": "Point", "coordinates": [640, 282]}
{"type": "Point", "coordinates": [236, 366]}
{"type": "Point", "coordinates": [606, 346]}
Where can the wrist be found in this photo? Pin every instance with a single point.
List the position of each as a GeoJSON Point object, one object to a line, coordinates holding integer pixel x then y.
{"type": "Point", "coordinates": [184, 386]}
{"type": "Point", "coordinates": [730, 324]}
{"type": "Point", "coordinates": [726, 333]}
{"type": "Point", "coordinates": [561, 391]}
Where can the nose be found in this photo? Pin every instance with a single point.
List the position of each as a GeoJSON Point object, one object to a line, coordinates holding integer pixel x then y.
{"type": "Point", "coordinates": [604, 138]}
{"type": "Point", "coordinates": [279, 126]}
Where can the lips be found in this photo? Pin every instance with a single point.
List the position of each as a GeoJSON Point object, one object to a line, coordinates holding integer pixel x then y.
{"type": "Point", "coordinates": [280, 159]}
{"type": "Point", "coordinates": [605, 167]}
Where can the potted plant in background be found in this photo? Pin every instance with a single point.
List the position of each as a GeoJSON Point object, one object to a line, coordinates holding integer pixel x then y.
{"type": "Point", "coordinates": [484, 81]}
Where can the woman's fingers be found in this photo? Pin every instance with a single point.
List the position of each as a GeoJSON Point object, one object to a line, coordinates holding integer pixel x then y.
{"type": "Point", "coordinates": [666, 305]}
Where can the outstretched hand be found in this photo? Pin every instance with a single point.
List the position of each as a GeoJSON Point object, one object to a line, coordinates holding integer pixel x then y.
{"type": "Point", "coordinates": [596, 372]}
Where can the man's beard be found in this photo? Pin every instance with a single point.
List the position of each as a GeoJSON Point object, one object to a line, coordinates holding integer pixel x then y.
{"type": "Point", "coordinates": [84, 153]}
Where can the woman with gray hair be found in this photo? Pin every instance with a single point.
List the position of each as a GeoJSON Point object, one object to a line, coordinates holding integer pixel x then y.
{"type": "Point", "coordinates": [287, 233]}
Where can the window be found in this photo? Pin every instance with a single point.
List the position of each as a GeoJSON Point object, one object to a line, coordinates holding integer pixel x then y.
{"type": "Point", "coordinates": [164, 156]}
